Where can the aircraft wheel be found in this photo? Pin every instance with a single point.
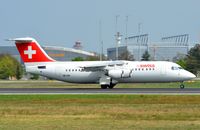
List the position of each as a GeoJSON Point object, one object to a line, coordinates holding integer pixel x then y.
{"type": "Point", "coordinates": [104, 86]}
{"type": "Point", "coordinates": [182, 86]}
{"type": "Point", "coordinates": [111, 86]}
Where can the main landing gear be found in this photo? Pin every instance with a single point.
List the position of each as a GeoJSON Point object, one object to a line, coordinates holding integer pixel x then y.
{"type": "Point", "coordinates": [104, 86]}
{"type": "Point", "coordinates": [108, 86]}
{"type": "Point", "coordinates": [182, 86]}
{"type": "Point", "coordinates": [107, 82]}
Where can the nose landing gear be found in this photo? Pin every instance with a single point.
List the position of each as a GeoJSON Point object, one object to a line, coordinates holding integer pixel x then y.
{"type": "Point", "coordinates": [107, 82]}
{"type": "Point", "coordinates": [182, 86]}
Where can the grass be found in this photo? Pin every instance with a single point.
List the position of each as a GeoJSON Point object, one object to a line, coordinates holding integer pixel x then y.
{"type": "Point", "coordinates": [56, 84]}
{"type": "Point", "coordinates": [100, 112]}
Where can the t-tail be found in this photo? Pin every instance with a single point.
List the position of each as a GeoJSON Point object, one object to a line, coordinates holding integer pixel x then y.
{"type": "Point", "coordinates": [30, 51]}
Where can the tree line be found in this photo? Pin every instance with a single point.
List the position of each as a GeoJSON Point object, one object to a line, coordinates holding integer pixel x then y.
{"type": "Point", "coordinates": [10, 68]}
{"type": "Point", "coordinates": [191, 61]}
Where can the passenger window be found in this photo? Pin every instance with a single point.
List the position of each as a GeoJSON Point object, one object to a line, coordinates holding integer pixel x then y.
{"type": "Point", "coordinates": [41, 67]}
{"type": "Point", "coordinates": [119, 64]}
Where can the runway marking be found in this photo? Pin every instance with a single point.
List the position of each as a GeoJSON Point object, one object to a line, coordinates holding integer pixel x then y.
{"type": "Point", "coordinates": [163, 91]}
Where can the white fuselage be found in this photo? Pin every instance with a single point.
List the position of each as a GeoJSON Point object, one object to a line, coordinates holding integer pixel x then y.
{"type": "Point", "coordinates": [129, 72]}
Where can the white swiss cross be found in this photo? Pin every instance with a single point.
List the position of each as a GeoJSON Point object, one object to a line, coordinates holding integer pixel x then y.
{"type": "Point", "coordinates": [30, 52]}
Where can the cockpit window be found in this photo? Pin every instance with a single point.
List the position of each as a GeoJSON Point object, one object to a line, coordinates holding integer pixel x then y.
{"type": "Point", "coordinates": [176, 68]}
{"type": "Point", "coordinates": [119, 64]}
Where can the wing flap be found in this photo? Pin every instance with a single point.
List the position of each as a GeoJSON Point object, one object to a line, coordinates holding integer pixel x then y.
{"type": "Point", "coordinates": [101, 66]}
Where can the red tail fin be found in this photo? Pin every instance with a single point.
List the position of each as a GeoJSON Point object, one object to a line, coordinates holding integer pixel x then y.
{"type": "Point", "coordinates": [31, 51]}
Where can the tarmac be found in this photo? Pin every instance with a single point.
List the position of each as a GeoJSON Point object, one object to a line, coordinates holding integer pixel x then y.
{"type": "Point", "coordinates": [165, 91]}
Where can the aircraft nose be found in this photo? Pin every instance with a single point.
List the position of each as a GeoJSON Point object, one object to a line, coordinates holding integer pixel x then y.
{"type": "Point", "coordinates": [189, 75]}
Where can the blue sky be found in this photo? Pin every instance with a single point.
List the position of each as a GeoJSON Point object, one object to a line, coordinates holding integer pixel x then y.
{"type": "Point", "coordinates": [62, 22]}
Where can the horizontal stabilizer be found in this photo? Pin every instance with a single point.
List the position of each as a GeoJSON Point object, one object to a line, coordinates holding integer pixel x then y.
{"type": "Point", "coordinates": [21, 40]}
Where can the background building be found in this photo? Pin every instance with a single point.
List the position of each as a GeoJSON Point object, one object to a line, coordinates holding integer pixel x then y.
{"type": "Point", "coordinates": [168, 49]}
{"type": "Point", "coordinates": [111, 52]}
{"type": "Point", "coordinates": [57, 53]}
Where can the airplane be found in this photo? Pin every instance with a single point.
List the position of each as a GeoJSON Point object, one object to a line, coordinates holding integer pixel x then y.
{"type": "Point", "coordinates": [105, 73]}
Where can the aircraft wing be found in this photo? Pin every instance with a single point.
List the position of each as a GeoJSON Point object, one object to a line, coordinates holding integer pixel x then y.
{"type": "Point", "coordinates": [101, 66]}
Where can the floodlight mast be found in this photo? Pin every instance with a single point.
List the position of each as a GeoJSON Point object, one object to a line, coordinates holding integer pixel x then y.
{"type": "Point", "coordinates": [139, 40]}
{"type": "Point", "coordinates": [116, 30]}
{"type": "Point", "coordinates": [100, 41]}
{"type": "Point", "coordinates": [118, 42]}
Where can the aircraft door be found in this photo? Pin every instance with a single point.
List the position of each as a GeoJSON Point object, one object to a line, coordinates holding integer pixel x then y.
{"type": "Point", "coordinates": [163, 69]}
{"type": "Point", "coordinates": [60, 72]}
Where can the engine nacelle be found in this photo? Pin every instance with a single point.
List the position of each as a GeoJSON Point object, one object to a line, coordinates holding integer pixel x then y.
{"type": "Point", "coordinates": [121, 73]}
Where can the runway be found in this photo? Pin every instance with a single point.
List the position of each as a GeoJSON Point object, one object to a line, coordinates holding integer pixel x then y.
{"type": "Point", "coordinates": [170, 91]}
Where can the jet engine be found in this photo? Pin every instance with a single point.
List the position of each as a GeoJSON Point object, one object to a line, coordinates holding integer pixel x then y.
{"type": "Point", "coordinates": [121, 73]}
